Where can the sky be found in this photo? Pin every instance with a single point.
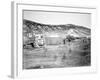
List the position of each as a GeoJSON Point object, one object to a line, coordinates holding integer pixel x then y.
{"type": "Point", "coordinates": [82, 19]}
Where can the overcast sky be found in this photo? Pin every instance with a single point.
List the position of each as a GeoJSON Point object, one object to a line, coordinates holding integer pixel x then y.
{"type": "Point", "coordinates": [44, 17]}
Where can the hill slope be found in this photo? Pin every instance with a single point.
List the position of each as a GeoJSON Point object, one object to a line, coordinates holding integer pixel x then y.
{"type": "Point", "coordinates": [69, 29]}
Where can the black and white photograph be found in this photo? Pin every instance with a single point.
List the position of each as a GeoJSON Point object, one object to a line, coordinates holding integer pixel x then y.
{"type": "Point", "coordinates": [55, 39]}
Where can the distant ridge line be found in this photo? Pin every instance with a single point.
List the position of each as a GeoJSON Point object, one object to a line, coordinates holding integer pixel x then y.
{"type": "Point", "coordinates": [42, 24]}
